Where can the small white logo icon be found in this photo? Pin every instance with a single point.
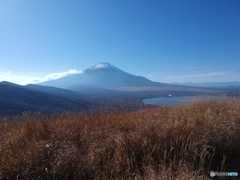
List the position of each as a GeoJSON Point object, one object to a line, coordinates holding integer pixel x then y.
{"type": "Point", "coordinates": [212, 174]}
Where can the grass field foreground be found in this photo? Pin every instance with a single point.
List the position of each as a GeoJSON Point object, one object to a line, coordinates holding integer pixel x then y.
{"type": "Point", "coordinates": [177, 142]}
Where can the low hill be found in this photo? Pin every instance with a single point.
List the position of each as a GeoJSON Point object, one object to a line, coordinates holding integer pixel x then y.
{"type": "Point", "coordinates": [15, 99]}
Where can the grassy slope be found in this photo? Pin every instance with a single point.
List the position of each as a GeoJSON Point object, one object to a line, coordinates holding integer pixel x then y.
{"type": "Point", "coordinates": [181, 142]}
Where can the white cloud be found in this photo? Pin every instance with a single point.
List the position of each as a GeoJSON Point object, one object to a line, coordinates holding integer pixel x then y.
{"type": "Point", "coordinates": [8, 76]}
{"type": "Point", "coordinates": [5, 73]}
{"type": "Point", "coordinates": [55, 76]}
{"type": "Point", "coordinates": [23, 80]}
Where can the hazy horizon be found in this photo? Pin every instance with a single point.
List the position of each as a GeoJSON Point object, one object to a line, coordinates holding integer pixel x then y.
{"type": "Point", "coordinates": [164, 41]}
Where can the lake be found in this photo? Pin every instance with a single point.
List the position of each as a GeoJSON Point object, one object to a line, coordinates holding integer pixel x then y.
{"type": "Point", "coordinates": [171, 100]}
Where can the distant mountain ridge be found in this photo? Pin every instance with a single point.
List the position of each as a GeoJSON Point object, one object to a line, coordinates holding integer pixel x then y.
{"type": "Point", "coordinates": [106, 76]}
{"type": "Point", "coordinates": [102, 75]}
{"type": "Point", "coordinates": [212, 84]}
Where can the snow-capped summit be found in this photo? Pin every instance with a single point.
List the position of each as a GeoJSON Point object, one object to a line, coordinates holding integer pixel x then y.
{"type": "Point", "coordinates": [101, 65]}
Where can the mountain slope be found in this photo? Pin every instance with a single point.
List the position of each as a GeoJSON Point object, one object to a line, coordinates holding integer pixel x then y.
{"type": "Point", "coordinates": [58, 92]}
{"type": "Point", "coordinates": [103, 75]}
{"type": "Point", "coordinates": [15, 99]}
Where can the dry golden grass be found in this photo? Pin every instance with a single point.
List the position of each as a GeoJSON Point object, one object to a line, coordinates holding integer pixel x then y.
{"type": "Point", "coordinates": [178, 142]}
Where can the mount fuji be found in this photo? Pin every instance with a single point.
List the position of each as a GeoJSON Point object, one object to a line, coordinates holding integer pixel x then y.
{"type": "Point", "coordinates": [102, 75]}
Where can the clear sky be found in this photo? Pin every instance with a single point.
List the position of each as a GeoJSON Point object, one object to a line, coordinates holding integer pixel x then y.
{"type": "Point", "coordinates": [163, 40]}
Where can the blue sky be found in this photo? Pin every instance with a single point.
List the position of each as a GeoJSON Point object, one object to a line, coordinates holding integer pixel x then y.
{"type": "Point", "coordinates": [163, 40]}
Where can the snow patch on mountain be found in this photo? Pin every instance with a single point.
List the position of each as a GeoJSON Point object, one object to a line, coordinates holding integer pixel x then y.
{"type": "Point", "coordinates": [101, 66]}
